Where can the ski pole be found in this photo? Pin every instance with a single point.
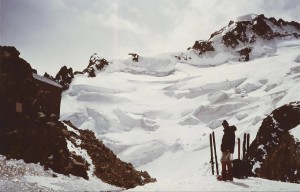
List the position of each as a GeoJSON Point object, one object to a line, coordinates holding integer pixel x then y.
{"type": "Point", "coordinates": [244, 147]}
{"type": "Point", "coordinates": [216, 158]}
{"type": "Point", "coordinates": [239, 148]}
{"type": "Point", "coordinates": [211, 154]}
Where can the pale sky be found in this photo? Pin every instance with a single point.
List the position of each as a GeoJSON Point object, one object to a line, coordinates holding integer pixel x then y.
{"type": "Point", "coordinates": [53, 33]}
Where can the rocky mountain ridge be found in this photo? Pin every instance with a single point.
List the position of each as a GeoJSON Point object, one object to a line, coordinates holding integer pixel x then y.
{"type": "Point", "coordinates": [248, 37]}
{"type": "Point", "coordinates": [65, 75]}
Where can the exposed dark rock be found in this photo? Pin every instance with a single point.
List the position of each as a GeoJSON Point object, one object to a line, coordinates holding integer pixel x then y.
{"type": "Point", "coordinates": [275, 153]}
{"type": "Point", "coordinates": [64, 77]}
{"type": "Point", "coordinates": [9, 52]}
{"type": "Point", "coordinates": [232, 38]}
{"type": "Point", "coordinates": [244, 33]}
{"type": "Point", "coordinates": [95, 63]}
{"type": "Point", "coordinates": [203, 46]}
{"type": "Point", "coordinates": [109, 168]}
{"type": "Point", "coordinates": [295, 24]}
{"type": "Point", "coordinates": [182, 57]}
{"type": "Point", "coordinates": [283, 162]}
{"type": "Point", "coordinates": [245, 53]}
{"type": "Point", "coordinates": [36, 137]}
{"type": "Point", "coordinates": [78, 72]}
{"type": "Point", "coordinates": [90, 71]}
{"type": "Point", "coordinates": [13, 65]}
{"type": "Point", "coordinates": [261, 28]}
{"type": "Point", "coordinates": [135, 57]}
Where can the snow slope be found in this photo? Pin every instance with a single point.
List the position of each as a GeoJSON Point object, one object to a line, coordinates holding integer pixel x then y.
{"type": "Point", "coordinates": [157, 113]}
{"type": "Point", "coordinates": [16, 175]}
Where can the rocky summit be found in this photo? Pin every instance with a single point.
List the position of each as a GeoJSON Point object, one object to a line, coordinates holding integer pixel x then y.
{"type": "Point", "coordinates": [247, 36]}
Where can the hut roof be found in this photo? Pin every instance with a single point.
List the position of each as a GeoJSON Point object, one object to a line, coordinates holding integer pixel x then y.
{"type": "Point", "coordinates": [46, 80]}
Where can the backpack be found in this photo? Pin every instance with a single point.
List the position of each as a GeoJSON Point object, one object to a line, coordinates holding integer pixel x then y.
{"type": "Point", "coordinates": [240, 169]}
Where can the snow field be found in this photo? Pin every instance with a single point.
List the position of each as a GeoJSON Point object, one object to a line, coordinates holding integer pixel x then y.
{"type": "Point", "coordinates": [160, 121]}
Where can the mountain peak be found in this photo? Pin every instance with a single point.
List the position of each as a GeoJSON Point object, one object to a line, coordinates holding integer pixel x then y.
{"type": "Point", "coordinates": [249, 36]}
{"type": "Point", "coordinates": [247, 28]}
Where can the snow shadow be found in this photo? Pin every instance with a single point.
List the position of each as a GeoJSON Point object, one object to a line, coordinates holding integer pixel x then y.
{"type": "Point", "coordinates": [240, 184]}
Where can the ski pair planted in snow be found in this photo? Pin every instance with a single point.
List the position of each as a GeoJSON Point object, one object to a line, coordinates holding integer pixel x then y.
{"type": "Point", "coordinates": [246, 144]}
{"type": "Point", "coordinates": [213, 150]}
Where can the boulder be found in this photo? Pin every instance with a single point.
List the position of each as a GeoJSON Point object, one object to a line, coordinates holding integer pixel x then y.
{"type": "Point", "coordinates": [274, 154]}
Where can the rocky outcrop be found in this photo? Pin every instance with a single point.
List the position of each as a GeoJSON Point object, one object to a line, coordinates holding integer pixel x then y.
{"type": "Point", "coordinates": [244, 53]}
{"type": "Point", "coordinates": [135, 57]}
{"type": "Point", "coordinates": [47, 141]}
{"type": "Point", "coordinates": [240, 36]}
{"type": "Point", "coordinates": [182, 56]}
{"type": "Point", "coordinates": [275, 154]}
{"type": "Point", "coordinates": [108, 167]}
{"type": "Point", "coordinates": [283, 162]}
{"type": "Point", "coordinates": [203, 46]}
{"type": "Point", "coordinates": [64, 77]}
{"type": "Point", "coordinates": [95, 64]}
{"type": "Point", "coordinates": [232, 38]}
{"type": "Point", "coordinates": [13, 65]}
{"type": "Point", "coordinates": [41, 139]}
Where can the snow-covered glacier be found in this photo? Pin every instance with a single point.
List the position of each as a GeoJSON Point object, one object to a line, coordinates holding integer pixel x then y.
{"type": "Point", "coordinates": [157, 113]}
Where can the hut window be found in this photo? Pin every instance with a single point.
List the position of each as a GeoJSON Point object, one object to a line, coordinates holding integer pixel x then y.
{"type": "Point", "coordinates": [19, 107]}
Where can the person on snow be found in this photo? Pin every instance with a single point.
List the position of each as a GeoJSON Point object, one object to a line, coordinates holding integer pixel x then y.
{"type": "Point", "coordinates": [227, 148]}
